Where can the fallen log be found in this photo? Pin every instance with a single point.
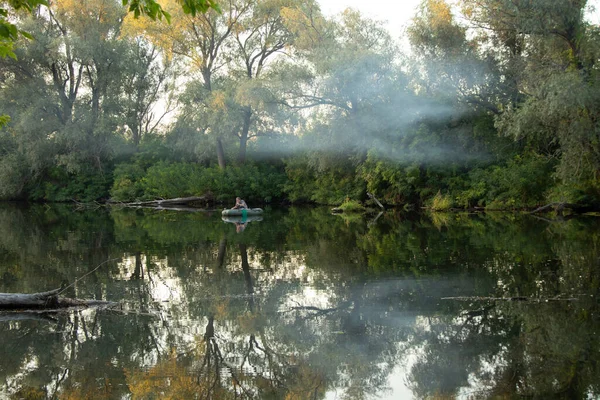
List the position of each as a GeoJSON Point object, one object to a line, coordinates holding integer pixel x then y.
{"type": "Point", "coordinates": [376, 201]}
{"type": "Point", "coordinates": [167, 202]}
{"type": "Point", "coordinates": [559, 207]}
{"type": "Point", "coordinates": [44, 300]}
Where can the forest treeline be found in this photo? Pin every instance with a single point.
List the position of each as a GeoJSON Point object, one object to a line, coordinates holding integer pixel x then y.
{"type": "Point", "coordinates": [496, 104]}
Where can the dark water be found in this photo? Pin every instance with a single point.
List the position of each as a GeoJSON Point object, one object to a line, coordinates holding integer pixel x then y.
{"type": "Point", "coordinates": [301, 305]}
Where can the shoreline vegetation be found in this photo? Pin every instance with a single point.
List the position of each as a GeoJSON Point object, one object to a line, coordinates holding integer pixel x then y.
{"type": "Point", "coordinates": [493, 109]}
{"type": "Point", "coordinates": [207, 203]}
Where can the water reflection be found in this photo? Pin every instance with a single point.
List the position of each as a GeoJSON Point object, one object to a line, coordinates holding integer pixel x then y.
{"type": "Point", "coordinates": [302, 305]}
{"type": "Point", "coordinates": [241, 222]}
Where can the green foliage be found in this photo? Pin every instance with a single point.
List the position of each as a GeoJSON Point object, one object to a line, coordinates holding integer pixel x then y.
{"type": "Point", "coordinates": [153, 10]}
{"type": "Point", "coordinates": [393, 183]}
{"type": "Point", "coordinates": [324, 184]}
{"type": "Point", "coordinates": [4, 120]}
{"type": "Point", "coordinates": [127, 183]}
{"type": "Point", "coordinates": [522, 182]}
{"type": "Point", "coordinates": [13, 176]}
{"type": "Point", "coordinates": [255, 183]}
{"type": "Point", "coordinates": [501, 115]}
{"type": "Point", "coordinates": [441, 202]}
{"type": "Point", "coordinates": [165, 180]}
{"type": "Point", "coordinates": [351, 206]}
{"type": "Point", "coordinates": [59, 185]}
{"type": "Point", "coordinates": [9, 32]}
{"type": "Point", "coordinates": [583, 192]}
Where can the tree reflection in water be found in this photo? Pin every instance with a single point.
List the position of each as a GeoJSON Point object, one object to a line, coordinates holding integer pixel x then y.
{"type": "Point", "coordinates": [301, 305]}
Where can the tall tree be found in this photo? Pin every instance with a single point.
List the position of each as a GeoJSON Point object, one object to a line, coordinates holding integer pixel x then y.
{"type": "Point", "coordinates": [550, 53]}
{"type": "Point", "coordinates": [66, 91]}
{"type": "Point", "coordinates": [200, 41]}
{"type": "Point", "coordinates": [147, 90]}
{"type": "Point", "coordinates": [260, 37]}
{"type": "Point", "coordinates": [449, 66]}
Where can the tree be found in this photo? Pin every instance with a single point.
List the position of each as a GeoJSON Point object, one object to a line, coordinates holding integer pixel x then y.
{"type": "Point", "coordinates": [230, 52]}
{"type": "Point", "coordinates": [200, 42]}
{"type": "Point", "coordinates": [449, 66]}
{"type": "Point", "coordinates": [69, 92]}
{"type": "Point", "coordinates": [549, 52]}
{"type": "Point", "coordinates": [149, 77]}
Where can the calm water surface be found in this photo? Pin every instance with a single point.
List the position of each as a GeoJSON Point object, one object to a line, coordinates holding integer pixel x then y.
{"type": "Point", "coordinates": [301, 305]}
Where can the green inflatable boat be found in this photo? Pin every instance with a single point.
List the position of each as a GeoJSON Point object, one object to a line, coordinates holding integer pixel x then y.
{"type": "Point", "coordinates": [242, 212]}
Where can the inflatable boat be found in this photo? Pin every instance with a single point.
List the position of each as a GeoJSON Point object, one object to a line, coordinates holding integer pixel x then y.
{"type": "Point", "coordinates": [244, 212]}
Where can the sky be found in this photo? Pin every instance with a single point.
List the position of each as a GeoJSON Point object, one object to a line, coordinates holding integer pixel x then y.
{"type": "Point", "coordinates": [396, 13]}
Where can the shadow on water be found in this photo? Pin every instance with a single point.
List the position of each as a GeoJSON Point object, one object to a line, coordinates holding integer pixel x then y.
{"type": "Point", "coordinates": [301, 305]}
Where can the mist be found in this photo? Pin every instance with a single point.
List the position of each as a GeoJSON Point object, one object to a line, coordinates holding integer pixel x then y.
{"type": "Point", "coordinates": [391, 122]}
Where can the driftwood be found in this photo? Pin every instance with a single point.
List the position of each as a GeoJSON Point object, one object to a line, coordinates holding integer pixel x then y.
{"type": "Point", "coordinates": [376, 201]}
{"type": "Point", "coordinates": [50, 300]}
{"type": "Point", "coordinates": [560, 207]}
{"type": "Point", "coordinates": [168, 202]}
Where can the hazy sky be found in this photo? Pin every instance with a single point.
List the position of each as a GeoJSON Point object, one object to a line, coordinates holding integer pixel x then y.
{"type": "Point", "coordinates": [397, 13]}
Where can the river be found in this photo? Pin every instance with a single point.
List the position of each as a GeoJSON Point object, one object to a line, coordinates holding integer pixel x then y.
{"type": "Point", "coordinates": [302, 304]}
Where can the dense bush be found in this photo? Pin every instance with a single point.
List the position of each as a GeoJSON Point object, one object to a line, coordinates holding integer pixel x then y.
{"type": "Point", "coordinates": [127, 183]}
{"type": "Point", "coordinates": [441, 202]}
{"type": "Point", "coordinates": [393, 183]}
{"type": "Point", "coordinates": [60, 185]}
{"type": "Point", "coordinates": [327, 182]}
{"type": "Point", "coordinates": [522, 181]}
{"type": "Point", "coordinates": [255, 183]}
{"type": "Point", "coordinates": [351, 206]}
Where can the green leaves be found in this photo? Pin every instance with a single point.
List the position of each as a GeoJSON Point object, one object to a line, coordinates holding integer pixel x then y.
{"type": "Point", "coordinates": [28, 5]}
{"type": "Point", "coordinates": [150, 8]}
{"type": "Point", "coordinates": [153, 10]}
{"type": "Point", "coordinates": [8, 35]}
{"type": "Point", "coordinates": [4, 119]}
{"type": "Point", "coordinates": [8, 31]}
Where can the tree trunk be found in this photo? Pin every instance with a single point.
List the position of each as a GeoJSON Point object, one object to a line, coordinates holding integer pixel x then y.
{"type": "Point", "coordinates": [244, 135]}
{"type": "Point", "coordinates": [220, 153]}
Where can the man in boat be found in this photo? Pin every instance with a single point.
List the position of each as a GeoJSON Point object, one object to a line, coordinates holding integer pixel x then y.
{"type": "Point", "coordinates": [240, 204]}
